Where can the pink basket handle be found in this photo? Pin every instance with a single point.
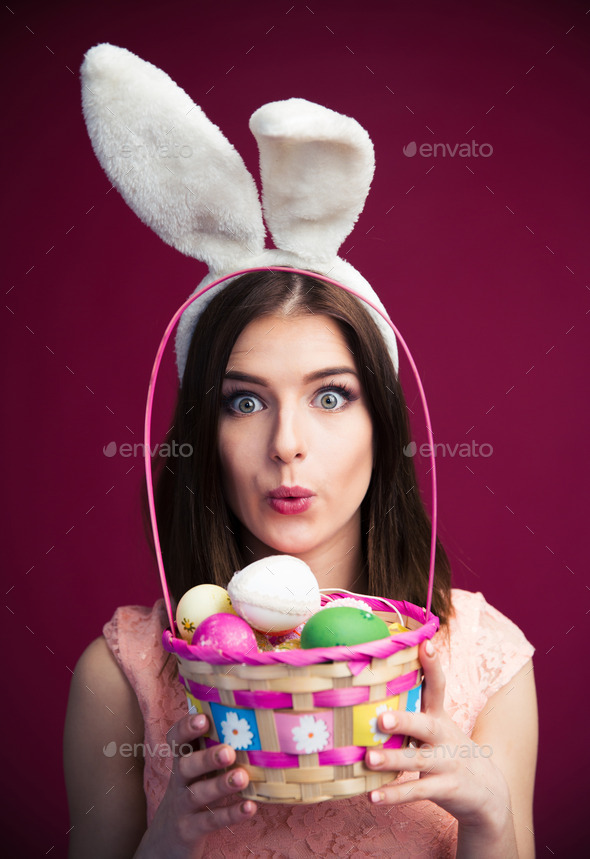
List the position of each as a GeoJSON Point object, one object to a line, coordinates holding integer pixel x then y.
{"type": "Point", "coordinates": [150, 401]}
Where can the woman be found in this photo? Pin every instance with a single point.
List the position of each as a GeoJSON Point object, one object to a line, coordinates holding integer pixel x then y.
{"type": "Point", "coordinates": [289, 384]}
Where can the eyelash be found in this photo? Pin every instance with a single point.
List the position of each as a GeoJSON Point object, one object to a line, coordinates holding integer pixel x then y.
{"type": "Point", "coordinates": [340, 388]}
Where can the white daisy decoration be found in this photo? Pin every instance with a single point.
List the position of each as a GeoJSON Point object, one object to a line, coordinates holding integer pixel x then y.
{"type": "Point", "coordinates": [310, 735]}
{"type": "Point", "coordinates": [378, 736]}
{"type": "Point", "coordinates": [236, 731]}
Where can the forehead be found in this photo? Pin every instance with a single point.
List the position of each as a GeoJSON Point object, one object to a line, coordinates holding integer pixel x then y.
{"type": "Point", "coordinates": [292, 339]}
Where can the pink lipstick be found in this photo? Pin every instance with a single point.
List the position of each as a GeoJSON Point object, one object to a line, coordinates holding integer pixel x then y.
{"type": "Point", "coordinates": [289, 500]}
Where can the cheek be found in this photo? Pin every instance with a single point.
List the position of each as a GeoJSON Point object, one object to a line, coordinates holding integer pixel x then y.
{"type": "Point", "coordinates": [362, 467]}
{"type": "Point", "coordinates": [357, 447]}
{"type": "Point", "coordinates": [226, 464]}
{"type": "Point", "coordinates": [234, 460]}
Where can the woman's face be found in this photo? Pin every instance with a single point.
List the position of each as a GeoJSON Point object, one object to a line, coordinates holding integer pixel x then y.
{"type": "Point", "coordinates": [294, 417]}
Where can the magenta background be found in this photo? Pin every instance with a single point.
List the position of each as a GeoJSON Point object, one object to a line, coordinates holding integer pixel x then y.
{"type": "Point", "coordinates": [496, 321]}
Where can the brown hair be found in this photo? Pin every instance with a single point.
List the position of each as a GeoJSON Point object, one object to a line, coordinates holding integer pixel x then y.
{"type": "Point", "coordinates": [198, 532]}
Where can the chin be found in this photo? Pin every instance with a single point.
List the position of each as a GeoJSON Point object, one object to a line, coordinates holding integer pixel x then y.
{"type": "Point", "coordinates": [284, 545]}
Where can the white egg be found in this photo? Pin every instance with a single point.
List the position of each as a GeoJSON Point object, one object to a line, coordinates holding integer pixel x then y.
{"type": "Point", "coordinates": [275, 594]}
{"type": "Point", "coordinates": [350, 601]}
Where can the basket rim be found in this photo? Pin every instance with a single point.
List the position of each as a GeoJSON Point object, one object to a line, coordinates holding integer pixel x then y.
{"type": "Point", "coordinates": [361, 653]}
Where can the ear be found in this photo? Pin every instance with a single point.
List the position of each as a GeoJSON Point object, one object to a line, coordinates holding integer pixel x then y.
{"type": "Point", "coordinates": [316, 167]}
{"type": "Point", "coordinates": [174, 168]}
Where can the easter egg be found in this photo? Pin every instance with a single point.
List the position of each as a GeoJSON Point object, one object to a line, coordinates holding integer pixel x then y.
{"type": "Point", "coordinates": [197, 604]}
{"type": "Point", "coordinates": [342, 625]}
{"type": "Point", "coordinates": [275, 594]}
{"type": "Point", "coordinates": [396, 628]}
{"type": "Point", "coordinates": [353, 601]}
{"type": "Point", "coordinates": [225, 632]}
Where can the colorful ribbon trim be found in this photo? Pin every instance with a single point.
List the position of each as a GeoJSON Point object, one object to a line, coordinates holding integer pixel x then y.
{"type": "Point", "coordinates": [357, 656]}
{"type": "Point", "coordinates": [343, 756]}
{"type": "Point", "coordinates": [263, 700]}
{"type": "Point", "coordinates": [203, 693]}
{"type": "Point", "coordinates": [268, 700]}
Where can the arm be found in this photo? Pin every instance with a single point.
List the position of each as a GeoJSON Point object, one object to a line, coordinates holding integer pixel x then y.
{"type": "Point", "coordinates": [490, 794]}
{"type": "Point", "coordinates": [105, 791]}
{"type": "Point", "coordinates": [509, 726]}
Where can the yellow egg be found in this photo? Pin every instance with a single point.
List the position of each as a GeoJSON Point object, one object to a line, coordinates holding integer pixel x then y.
{"type": "Point", "coordinates": [395, 628]}
{"type": "Point", "coordinates": [198, 603]}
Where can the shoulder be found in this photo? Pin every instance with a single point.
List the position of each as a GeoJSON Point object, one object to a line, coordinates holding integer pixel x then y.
{"type": "Point", "coordinates": [481, 650]}
{"type": "Point", "coordinates": [470, 607]}
{"type": "Point", "coordinates": [103, 764]}
{"type": "Point", "coordinates": [99, 673]}
{"type": "Point", "coordinates": [487, 629]}
{"type": "Point", "coordinates": [135, 623]}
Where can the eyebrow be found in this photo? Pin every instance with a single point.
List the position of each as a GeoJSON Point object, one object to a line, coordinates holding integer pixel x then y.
{"type": "Point", "coordinates": [310, 377]}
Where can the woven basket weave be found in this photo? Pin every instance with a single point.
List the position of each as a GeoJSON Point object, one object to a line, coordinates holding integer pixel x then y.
{"type": "Point", "coordinates": [301, 724]}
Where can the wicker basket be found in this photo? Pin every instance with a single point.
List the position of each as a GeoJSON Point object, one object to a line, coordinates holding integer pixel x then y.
{"type": "Point", "coordinates": [301, 720]}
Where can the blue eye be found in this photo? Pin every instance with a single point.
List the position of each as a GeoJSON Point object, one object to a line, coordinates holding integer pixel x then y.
{"type": "Point", "coordinates": [330, 400]}
{"type": "Point", "coordinates": [242, 402]}
{"type": "Point", "coordinates": [334, 397]}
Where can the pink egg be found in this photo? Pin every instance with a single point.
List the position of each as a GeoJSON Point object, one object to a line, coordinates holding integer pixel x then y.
{"type": "Point", "coordinates": [226, 632]}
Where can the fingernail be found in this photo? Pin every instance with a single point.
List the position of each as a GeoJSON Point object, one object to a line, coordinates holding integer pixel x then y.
{"type": "Point", "coordinates": [237, 778]}
{"type": "Point", "coordinates": [388, 720]}
{"type": "Point", "coordinates": [223, 756]}
{"type": "Point", "coordinates": [375, 758]}
{"type": "Point", "coordinates": [247, 807]}
{"type": "Point", "coordinates": [429, 648]}
{"type": "Point", "coordinates": [198, 722]}
{"type": "Point", "coordinates": [377, 796]}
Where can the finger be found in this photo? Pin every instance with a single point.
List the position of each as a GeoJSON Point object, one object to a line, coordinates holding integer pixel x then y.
{"type": "Point", "coordinates": [422, 760]}
{"type": "Point", "coordinates": [433, 694]}
{"type": "Point", "coordinates": [207, 793]}
{"type": "Point", "coordinates": [435, 788]}
{"type": "Point", "coordinates": [196, 764]}
{"type": "Point", "coordinates": [185, 731]}
{"type": "Point", "coordinates": [423, 726]}
{"type": "Point", "coordinates": [218, 818]}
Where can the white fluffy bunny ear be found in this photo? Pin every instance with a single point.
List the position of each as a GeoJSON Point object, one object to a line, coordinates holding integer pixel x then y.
{"type": "Point", "coordinates": [316, 167]}
{"type": "Point", "coordinates": [174, 168]}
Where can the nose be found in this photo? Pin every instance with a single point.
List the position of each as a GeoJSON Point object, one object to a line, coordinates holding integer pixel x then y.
{"type": "Point", "coordinates": [287, 439]}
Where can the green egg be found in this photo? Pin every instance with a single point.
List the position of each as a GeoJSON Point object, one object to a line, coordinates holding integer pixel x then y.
{"type": "Point", "coordinates": [345, 625]}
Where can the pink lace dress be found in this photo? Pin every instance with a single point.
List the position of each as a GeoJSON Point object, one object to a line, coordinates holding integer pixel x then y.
{"type": "Point", "coordinates": [484, 651]}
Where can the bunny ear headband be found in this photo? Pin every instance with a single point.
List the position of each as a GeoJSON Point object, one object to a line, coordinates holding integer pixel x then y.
{"type": "Point", "coordinates": [316, 168]}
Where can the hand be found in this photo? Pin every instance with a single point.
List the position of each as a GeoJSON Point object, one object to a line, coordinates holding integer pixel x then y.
{"type": "Point", "coordinates": [455, 773]}
{"type": "Point", "coordinates": [191, 807]}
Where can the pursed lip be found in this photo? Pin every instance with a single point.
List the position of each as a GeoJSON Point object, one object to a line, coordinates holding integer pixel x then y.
{"type": "Point", "coordinates": [291, 492]}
